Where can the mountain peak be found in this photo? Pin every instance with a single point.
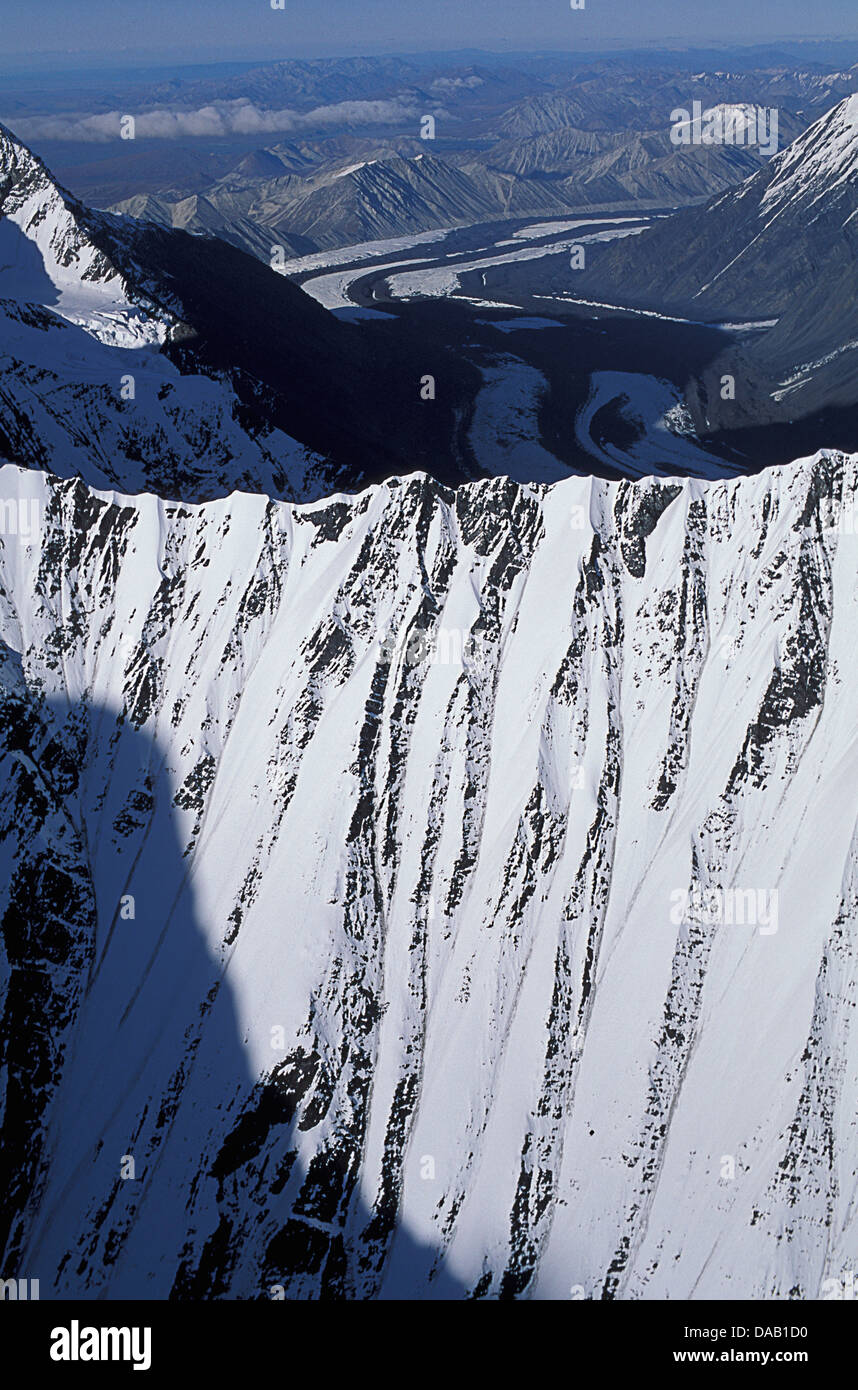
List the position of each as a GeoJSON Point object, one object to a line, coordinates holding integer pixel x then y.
{"type": "Point", "coordinates": [54, 254]}
{"type": "Point", "coordinates": [822, 160]}
{"type": "Point", "coordinates": [21, 171]}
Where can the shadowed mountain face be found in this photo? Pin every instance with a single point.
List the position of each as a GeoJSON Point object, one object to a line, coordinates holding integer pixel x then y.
{"type": "Point", "coordinates": [353, 399]}
{"type": "Point", "coordinates": [415, 796]}
{"type": "Point", "coordinates": [143, 1155]}
{"type": "Point", "coordinates": [142, 358]}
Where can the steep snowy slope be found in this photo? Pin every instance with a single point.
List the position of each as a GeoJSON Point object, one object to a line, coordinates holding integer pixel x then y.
{"type": "Point", "coordinates": [427, 894]}
{"type": "Point", "coordinates": [48, 247]}
{"type": "Point", "coordinates": [86, 386]}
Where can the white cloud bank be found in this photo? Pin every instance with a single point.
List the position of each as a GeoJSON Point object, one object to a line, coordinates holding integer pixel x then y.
{"type": "Point", "coordinates": [239, 117]}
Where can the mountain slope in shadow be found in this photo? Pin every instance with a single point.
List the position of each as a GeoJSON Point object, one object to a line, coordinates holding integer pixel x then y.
{"type": "Point", "coordinates": [141, 1154]}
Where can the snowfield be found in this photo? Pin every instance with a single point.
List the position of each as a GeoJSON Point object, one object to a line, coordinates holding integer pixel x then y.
{"type": "Point", "coordinates": [362, 251]}
{"type": "Point", "coordinates": [332, 291]}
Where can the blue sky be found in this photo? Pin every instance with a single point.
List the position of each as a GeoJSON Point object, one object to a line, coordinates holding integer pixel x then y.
{"type": "Point", "coordinates": [183, 29]}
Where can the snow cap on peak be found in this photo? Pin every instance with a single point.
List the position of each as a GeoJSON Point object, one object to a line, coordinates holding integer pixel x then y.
{"type": "Point", "coordinates": [11, 146]}
{"type": "Point", "coordinates": [849, 109]}
{"type": "Point", "coordinates": [824, 159]}
{"type": "Point", "coordinates": [7, 137]}
{"type": "Point", "coordinates": [19, 169]}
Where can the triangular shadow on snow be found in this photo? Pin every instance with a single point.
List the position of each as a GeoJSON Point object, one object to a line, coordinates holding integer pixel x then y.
{"type": "Point", "coordinates": [142, 1156]}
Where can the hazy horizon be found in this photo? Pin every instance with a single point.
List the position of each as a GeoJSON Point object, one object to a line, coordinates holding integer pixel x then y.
{"type": "Point", "coordinates": [83, 64]}
{"type": "Point", "coordinates": [110, 31]}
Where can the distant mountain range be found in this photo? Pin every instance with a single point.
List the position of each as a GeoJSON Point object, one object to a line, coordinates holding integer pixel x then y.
{"type": "Point", "coordinates": [140, 356]}
{"type": "Point", "coordinates": [393, 193]}
{"type": "Point", "coordinates": [514, 136]}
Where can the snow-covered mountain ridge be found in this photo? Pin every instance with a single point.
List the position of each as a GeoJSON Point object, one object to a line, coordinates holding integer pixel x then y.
{"type": "Point", "coordinates": [86, 386]}
{"type": "Point", "coordinates": [49, 255]}
{"type": "Point", "coordinates": [354, 857]}
{"type": "Point", "coordinates": [818, 164]}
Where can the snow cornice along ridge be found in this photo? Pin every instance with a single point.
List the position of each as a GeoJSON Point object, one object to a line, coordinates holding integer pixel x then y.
{"type": "Point", "coordinates": [483, 494]}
